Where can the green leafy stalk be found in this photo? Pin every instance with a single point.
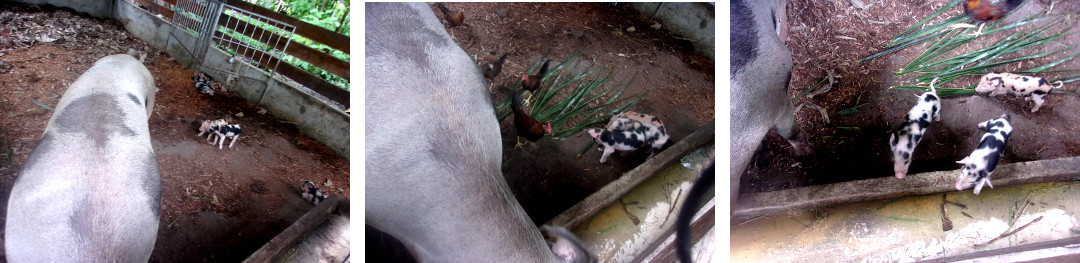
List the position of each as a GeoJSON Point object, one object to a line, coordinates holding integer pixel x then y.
{"type": "Point", "coordinates": [572, 102]}
{"type": "Point", "coordinates": [942, 10]}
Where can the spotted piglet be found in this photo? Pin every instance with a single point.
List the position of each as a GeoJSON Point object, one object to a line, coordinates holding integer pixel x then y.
{"type": "Point", "coordinates": [311, 193]}
{"type": "Point", "coordinates": [629, 138]}
{"type": "Point", "coordinates": [1031, 88]}
{"type": "Point", "coordinates": [630, 120]}
{"type": "Point", "coordinates": [205, 84]}
{"type": "Point", "coordinates": [903, 141]}
{"type": "Point", "coordinates": [619, 119]}
{"type": "Point", "coordinates": [981, 163]}
{"type": "Point", "coordinates": [225, 131]}
{"type": "Point", "coordinates": [208, 124]}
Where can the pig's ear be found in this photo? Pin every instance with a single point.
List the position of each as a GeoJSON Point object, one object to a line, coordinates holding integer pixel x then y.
{"type": "Point", "coordinates": [965, 161]}
{"type": "Point", "coordinates": [594, 132]}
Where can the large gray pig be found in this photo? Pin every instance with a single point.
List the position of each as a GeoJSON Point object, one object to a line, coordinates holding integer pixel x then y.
{"type": "Point", "coordinates": [91, 191]}
{"type": "Point", "coordinates": [434, 149]}
{"type": "Point", "coordinates": [760, 71]}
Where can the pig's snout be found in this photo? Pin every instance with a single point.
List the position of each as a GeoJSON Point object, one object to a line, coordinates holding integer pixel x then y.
{"type": "Point", "coordinates": [801, 144]}
{"type": "Point", "coordinates": [802, 148]}
{"type": "Point", "coordinates": [900, 175]}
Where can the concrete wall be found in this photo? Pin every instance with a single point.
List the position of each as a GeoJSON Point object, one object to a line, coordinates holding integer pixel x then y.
{"type": "Point", "coordinates": [312, 117]}
{"type": "Point", "coordinates": [690, 20]}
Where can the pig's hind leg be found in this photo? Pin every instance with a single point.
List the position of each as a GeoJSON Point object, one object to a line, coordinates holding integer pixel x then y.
{"type": "Point", "coordinates": [1038, 99]}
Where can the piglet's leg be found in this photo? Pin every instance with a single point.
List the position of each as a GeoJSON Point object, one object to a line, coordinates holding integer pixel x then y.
{"type": "Point", "coordinates": [607, 151]}
{"type": "Point", "coordinates": [1038, 102]}
{"type": "Point", "coordinates": [233, 141]}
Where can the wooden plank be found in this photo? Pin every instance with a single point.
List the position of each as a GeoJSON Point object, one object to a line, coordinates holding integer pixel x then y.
{"type": "Point", "coordinates": [156, 8]}
{"type": "Point", "coordinates": [319, 59]}
{"type": "Point", "coordinates": [313, 32]}
{"type": "Point", "coordinates": [331, 91]}
{"type": "Point", "coordinates": [296, 232]}
{"type": "Point", "coordinates": [888, 187]}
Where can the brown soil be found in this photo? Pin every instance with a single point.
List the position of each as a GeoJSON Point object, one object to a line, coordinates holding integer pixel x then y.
{"type": "Point", "coordinates": [833, 35]}
{"type": "Point", "coordinates": [217, 205]}
{"type": "Point", "coordinates": [547, 177]}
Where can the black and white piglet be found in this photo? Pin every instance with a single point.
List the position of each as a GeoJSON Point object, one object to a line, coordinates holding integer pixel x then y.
{"type": "Point", "coordinates": [1031, 88]}
{"type": "Point", "coordinates": [311, 193]}
{"type": "Point", "coordinates": [630, 120]}
{"type": "Point", "coordinates": [208, 124]}
{"type": "Point", "coordinates": [981, 163]}
{"type": "Point", "coordinates": [225, 131]}
{"type": "Point", "coordinates": [205, 84]}
{"type": "Point", "coordinates": [625, 134]}
{"type": "Point", "coordinates": [903, 141]}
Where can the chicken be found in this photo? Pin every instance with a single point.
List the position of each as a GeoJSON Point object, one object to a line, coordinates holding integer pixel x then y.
{"type": "Point", "coordinates": [532, 83]}
{"type": "Point", "coordinates": [455, 18]}
{"type": "Point", "coordinates": [526, 125]}
{"type": "Point", "coordinates": [983, 11]}
{"type": "Point", "coordinates": [492, 69]}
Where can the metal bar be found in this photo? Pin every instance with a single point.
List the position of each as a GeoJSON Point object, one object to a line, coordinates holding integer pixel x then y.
{"type": "Point", "coordinates": [268, 29]}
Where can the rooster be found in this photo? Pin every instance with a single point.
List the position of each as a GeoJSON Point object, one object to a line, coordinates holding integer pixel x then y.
{"type": "Point", "coordinates": [532, 83]}
{"type": "Point", "coordinates": [525, 125]}
{"type": "Point", "coordinates": [492, 69]}
{"type": "Point", "coordinates": [982, 11]}
{"type": "Point", "coordinates": [455, 18]}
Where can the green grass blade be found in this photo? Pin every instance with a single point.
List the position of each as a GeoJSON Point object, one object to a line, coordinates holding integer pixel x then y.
{"type": "Point", "coordinates": [940, 11]}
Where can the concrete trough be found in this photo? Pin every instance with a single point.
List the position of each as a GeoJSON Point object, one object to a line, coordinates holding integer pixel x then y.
{"type": "Point", "coordinates": [1029, 215]}
{"type": "Point", "coordinates": [631, 219]}
{"type": "Point", "coordinates": [883, 188]}
{"type": "Point", "coordinates": [321, 235]}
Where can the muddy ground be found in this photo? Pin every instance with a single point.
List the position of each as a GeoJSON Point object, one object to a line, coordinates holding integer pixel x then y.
{"type": "Point", "coordinates": [833, 35]}
{"type": "Point", "coordinates": [546, 176]}
{"type": "Point", "coordinates": [217, 205]}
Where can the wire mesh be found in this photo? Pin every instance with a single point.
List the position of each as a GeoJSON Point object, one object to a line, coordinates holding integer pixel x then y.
{"type": "Point", "coordinates": [190, 14]}
{"type": "Point", "coordinates": [253, 36]}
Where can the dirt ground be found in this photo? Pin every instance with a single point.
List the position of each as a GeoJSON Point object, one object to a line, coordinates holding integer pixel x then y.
{"type": "Point", "coordinates": [833, 35]}
{"type": "Point", "coordinates": [217, 205]}
{"type": "Point", "coordinates": [546, 176]}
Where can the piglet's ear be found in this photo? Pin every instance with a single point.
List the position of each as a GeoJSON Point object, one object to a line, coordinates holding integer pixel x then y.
{"type": "Point", "coordinates": [594, 132]}
{"type": "Point", "coordinates": [965, 161]}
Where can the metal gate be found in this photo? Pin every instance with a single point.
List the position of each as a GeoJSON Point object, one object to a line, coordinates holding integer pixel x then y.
{"type": "Point", "coordinates": [246, 35]}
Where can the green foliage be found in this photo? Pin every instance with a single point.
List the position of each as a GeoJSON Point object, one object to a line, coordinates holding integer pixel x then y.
{"type": "Point", "coordinates": [933, 62]}
{"type": "Point", "coordinates": [581, 99]}
{"type": "Point", "coordinates": [329, 14]}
